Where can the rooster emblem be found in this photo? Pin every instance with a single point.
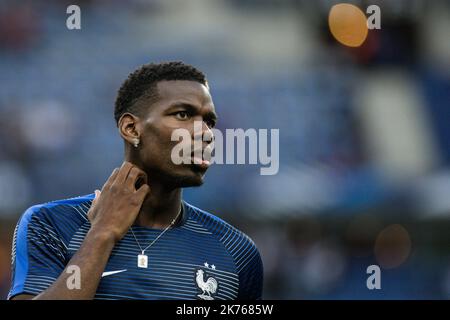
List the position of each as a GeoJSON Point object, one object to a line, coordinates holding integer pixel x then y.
{"type": "Point", "coordinates": [208, 287]}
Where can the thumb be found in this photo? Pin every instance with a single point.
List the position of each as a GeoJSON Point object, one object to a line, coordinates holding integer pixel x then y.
{"type": "Point", "coordinates": [91, 212]}
{"type": "Point", "coordinates": [97, 194]}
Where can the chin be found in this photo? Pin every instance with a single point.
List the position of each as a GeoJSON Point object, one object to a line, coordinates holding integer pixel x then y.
{"type": "Point", "coordinates": [192, 177]}
{"type": "Point", "coordinates": [190, 182]}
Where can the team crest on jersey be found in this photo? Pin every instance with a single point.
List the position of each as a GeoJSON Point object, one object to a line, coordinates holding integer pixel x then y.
{"type": "Point", "coordinates": [208, 285]}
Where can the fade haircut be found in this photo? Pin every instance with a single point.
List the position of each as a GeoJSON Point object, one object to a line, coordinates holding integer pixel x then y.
{"type": "Point", "coordinates": [141, 84]}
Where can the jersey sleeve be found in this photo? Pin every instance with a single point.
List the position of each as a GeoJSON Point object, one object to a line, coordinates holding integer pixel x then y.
{"type": "Point", "coordinates": [251, 275]}
{"type": "Point", "coordinates": [38, 253]}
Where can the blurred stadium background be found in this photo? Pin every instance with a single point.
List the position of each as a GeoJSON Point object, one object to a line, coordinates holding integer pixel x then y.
{"type": "Point", "coordinates": [364, 132]}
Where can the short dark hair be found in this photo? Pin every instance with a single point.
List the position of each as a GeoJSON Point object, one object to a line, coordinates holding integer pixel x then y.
{"type": "Point", "coordinates": [141, 83]}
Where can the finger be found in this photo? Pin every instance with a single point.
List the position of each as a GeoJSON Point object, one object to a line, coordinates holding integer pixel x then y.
{"type": "Point", "coordinates": [141, 180]}
{"type": "Point", "coordinates": [142, 192]}
{"type": "Point", "coordinates": [136, 178]}
{"type": "Point", "coordinates": [90, 215]}
{"type": "Point", "coordinates": [111, 178]}
{"type": "Point", "coordinates": [123, 172]}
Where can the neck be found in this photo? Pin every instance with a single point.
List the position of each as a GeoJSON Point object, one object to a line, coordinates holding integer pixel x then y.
{"type": "Point", "coordinates": [160, 207]}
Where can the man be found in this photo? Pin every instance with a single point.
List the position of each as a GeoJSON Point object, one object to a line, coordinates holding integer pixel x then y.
{"type": "Point", "coordinates": [136, 238]}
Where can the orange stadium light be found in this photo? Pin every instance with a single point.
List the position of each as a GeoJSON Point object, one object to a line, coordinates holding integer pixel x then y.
{"type": "Point", "coordinates": [348, 24]}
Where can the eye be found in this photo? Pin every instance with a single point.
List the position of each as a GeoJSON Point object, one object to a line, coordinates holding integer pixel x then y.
{"type": "Point", "coordinates": [182, 115]}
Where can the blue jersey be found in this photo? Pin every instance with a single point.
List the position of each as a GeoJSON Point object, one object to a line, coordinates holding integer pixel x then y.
{"type": "Point", "coordinates": [201, 257]}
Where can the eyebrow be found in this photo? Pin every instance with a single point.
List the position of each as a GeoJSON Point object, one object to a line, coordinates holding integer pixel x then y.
{"type": "Point", "coordinates": [191, 108]}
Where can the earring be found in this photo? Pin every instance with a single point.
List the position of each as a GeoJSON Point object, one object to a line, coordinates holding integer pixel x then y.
{"type": "Point", "coordinates": [136, 143]}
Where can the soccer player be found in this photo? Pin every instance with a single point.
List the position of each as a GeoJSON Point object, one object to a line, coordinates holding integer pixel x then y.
{"type": "Point", "coordinates": [137, 238]}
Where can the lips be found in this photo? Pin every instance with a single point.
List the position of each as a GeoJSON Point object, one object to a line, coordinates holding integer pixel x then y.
{"type": "Point", "coordinates": [201, 157]}
{"type": "Point", "coordinates": [204, 164]}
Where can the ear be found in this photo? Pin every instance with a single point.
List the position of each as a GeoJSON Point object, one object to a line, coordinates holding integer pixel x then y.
{"type": "Point", "coordinates": [129, 127]}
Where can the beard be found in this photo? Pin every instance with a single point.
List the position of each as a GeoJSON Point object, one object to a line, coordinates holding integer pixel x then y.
{"type": "Point", "coordinates": [186, 182]}
{"type": "Point", "coordinates": [182, 176]}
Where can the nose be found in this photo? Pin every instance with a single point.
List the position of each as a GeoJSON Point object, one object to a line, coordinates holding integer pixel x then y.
{"type": "Point", "coordinates": [203, 132]}
{"type": "Point", "coordinates": [208, 135]}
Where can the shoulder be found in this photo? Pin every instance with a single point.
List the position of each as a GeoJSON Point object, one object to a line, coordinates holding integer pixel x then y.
{"type": "Point", "coordinates": [56, 207]}
{"type": "Point", "coordinates": [213, 223]}
{"type": "Point", "coordinates": [59, 212]}
{"type": "Point", "coordinates": [239, 244]}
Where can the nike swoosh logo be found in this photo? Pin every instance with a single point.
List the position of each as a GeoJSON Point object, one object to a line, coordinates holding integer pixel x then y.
{"type": "Point", "coordinates": [108, 273]}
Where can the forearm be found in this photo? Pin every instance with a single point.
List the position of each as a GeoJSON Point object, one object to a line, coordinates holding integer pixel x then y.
{"type": "Point", "coordinates": [91, 260]}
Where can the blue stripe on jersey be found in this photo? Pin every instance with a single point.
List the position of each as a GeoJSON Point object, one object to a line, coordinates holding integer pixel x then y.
{"type": "Point", "coordinates": [20, 256]}
{"type": "Point", "coordinates": [202, 257]}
